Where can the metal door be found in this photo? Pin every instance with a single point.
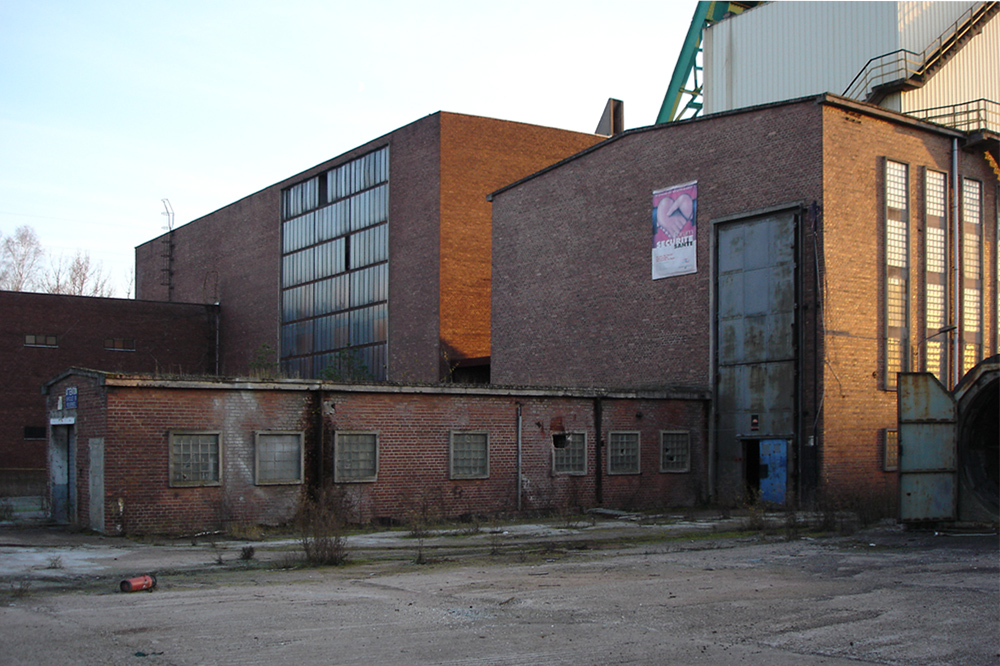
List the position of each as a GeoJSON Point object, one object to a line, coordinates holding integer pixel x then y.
{"type": "Point", "coordinates": [756, 350]}
{"type": "Point", "coordinates": [773, 470]}
{"type": "Point", "coordinates": [927, 449]}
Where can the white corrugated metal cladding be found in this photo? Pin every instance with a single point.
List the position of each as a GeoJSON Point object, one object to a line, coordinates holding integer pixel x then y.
{"type": "Point", "coordinates": [782, 50]}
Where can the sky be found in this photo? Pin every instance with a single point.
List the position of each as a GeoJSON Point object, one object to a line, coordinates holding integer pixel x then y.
{"type": "Point", "coordinates": [109, 107]}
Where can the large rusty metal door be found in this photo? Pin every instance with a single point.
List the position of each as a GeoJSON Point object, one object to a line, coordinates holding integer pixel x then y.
{"type": "Point", "coordinates": [756, 346]}
{"type": "Point", "coordinates": [927, 449]}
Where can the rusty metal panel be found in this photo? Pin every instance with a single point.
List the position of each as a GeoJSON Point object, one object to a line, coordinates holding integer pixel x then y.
{"type": "Point", "coordinates": [927, 449]}
{"type": "Point", "coordinates": [755, 336]}
{"type": "Point", "coordinates": [927, 497]}
{"type": "Point", "coordinates": [923, 398]}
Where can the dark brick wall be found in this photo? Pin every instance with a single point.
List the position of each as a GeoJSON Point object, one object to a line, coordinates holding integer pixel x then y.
{"type": "Point", "coordinates": [413, 427]}
{"type": "Point", "coordinates": [169, 338]}
{"type": "Point", "coordinates": [573, 299]}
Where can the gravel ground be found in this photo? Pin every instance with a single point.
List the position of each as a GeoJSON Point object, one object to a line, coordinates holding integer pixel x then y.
{"type": "Point", "coordinates": [611, 592]}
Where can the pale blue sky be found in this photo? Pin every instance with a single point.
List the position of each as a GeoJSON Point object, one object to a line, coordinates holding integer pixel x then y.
{"type": "Point", "coordinates": [107, 107]}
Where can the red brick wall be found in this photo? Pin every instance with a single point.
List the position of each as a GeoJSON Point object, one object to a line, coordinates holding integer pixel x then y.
{"type": "Point", "coordinates": [478, 156]}
{"type": "Point", "coordinates": [414, 429]}
{"type": "Point", "coordinates": [856, 403]}
{"type": "Point", "coordinates": [169, 338]}
{"type": "Point", "coordinates": [439, 243]}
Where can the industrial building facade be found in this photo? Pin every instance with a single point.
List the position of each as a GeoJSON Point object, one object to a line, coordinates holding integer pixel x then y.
{"type": "Point", "coordinates": [830, 245]}
{"type": "Point", "coordinates": [43, 334]}
{"type": "Point", "coordinates": [373, 265]}
{"type": "Point", "coordinates": [141, 454]}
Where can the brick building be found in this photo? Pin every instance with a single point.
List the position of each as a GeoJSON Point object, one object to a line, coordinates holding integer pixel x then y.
{"type": "Point", "coordinates": [139, 454]}
{"type": "Point", "coordinates": [43, 334]}
{"type": "Point", "coordinates": [823, 245]}
{"type": "Point", "coordinates": [374, 264]}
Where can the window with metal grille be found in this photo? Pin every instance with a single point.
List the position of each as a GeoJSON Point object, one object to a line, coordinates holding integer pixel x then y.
{"type": "Point", "coordinates": [569, 453]}
{"type": "Point", "coordinates": [355, 457]}
{"type": "Point", "coordinates": [890, 449]}
{"type": "Point", "coordinates": [279, 457]}
{"type": "Point", "coordinates": [896, 277]}
{"type": "Point", "coordinates": [623, 453]}
{"type": "Point", "coordinates": [675, 451]}
{"type": "Point", "coordinates": [195, 458]}
{"type": "Point", "coordinates": [470, 455]}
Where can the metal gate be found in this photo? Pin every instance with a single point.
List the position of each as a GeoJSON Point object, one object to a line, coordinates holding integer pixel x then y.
{"type": "Point", "coordinates": [756, 346]}
{"type": "Point", "coordinates": [927, 449]}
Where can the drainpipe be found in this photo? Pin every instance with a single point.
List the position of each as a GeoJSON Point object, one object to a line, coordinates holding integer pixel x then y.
{"type": "Point", "coordinates": [318, 428]}
{"type": "Point", "coordinates": [955, 270]}
{"type": "Point", "coordinates": [518, 456]}
{"type": "Point", "coordinates": [598, 472]}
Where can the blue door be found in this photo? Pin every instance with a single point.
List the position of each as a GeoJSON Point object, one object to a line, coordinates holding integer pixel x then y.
{"type": "Point", "coordinates": [773, 470]}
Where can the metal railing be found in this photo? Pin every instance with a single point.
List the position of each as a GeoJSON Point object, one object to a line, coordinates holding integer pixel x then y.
{"type": "Point", "coordinates": [901, 65]}
{"type": "Point", "coordinates": [975, 116]}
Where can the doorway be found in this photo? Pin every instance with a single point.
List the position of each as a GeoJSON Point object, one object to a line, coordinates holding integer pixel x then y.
{"type": "Point", "coordinates": [61, 473]}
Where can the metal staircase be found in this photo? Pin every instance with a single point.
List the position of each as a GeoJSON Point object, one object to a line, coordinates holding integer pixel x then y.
{"type": "Point", "coordinates": [903, 70]}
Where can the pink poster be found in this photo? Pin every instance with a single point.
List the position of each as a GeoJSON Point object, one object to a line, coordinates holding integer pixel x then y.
{"type": "Point", "coordinates": [675, 230]}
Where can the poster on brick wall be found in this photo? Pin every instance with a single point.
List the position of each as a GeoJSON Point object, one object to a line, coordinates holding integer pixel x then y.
{"type": "Point", "coordinates": [675, 231]}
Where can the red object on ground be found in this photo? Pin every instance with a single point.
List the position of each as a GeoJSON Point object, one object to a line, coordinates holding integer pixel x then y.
{"type": "Point", "coordinates": [137, 584]}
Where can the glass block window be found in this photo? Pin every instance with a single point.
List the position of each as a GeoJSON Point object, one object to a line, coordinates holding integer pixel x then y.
{"type": "Point", "coordinates": [569, 453]}
{"type": "Point", "coordinates": [195, 459]}
{"type": "Point", "coordinates": [335, 272]}
{"type": "Point", "coordinates": [972, 274]}
{"type": "Point", "coordinates": [890, 450]}
{"type": "Point", "coordinates": [936, 274]}
{"type": "Point", "coordinates": [623, 453]}
{"type": "Point", "coordinates": [896, 279]}
{"type": "Point", "coordinates": [355, 457]}
{"type": "Point", "coordinates": [279, 457]}
{"type": "Point", "coordinates": [470, 455]}
{"type": "Point", "coordinates": [675, 451]}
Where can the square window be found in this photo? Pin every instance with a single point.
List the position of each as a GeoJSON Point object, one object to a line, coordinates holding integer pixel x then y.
{"type": "Point", "coordinates": [623, 453]}
{"type": "Point", "coordinates": [569, 453]}
{"type": "Point", "coordinates": [470, 455]}
{"type": "Point", "coordinates": [675, 451]}
{"type": "Point", "coordinates": [356, 457]}
{"type": "Point", "coordinates": [35, 432]}
{"type": "Point", "coordinates": [31, 340]}
{"type": "Point", "coordinates": [279, 457]}
{"type": "Point", "coordinates": [119, 344]}
{"type": "Point", "coordinates": [195, 459]}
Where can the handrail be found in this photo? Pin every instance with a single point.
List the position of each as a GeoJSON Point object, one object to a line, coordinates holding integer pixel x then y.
{"type": "Point", "coordinates": [975, 116]}
{"type": "Point", "coordinates": [896, 66]}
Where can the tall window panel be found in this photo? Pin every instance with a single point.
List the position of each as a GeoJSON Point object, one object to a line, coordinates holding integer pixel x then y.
{"type": "Point", "coordinates": [972, 274]}
{"type": "Point", "coordinates": [936, 274]}
{"type": "Point", "coordinates": [897, 290]}
{"type": "Point", "coordinates": [335, 272]}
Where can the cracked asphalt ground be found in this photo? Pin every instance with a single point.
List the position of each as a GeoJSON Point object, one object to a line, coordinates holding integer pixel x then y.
{"type": "Point", "coordinates": [606, 593]}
